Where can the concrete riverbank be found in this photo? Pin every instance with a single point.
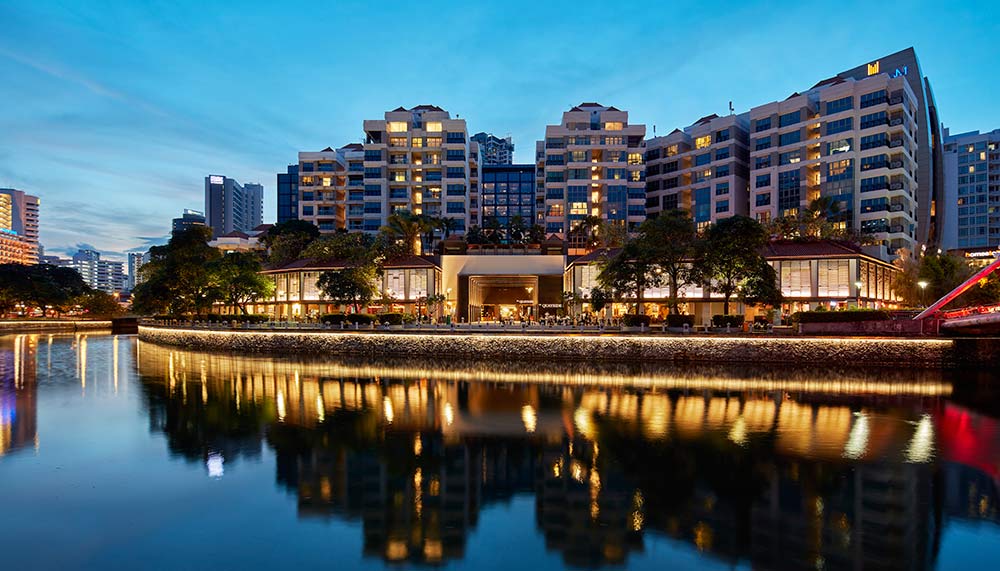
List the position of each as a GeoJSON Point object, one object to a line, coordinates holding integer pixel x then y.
{"type": "Point", "coordinates": [885, 352]}
{"type": "Point", "coordinates": [36, 325]}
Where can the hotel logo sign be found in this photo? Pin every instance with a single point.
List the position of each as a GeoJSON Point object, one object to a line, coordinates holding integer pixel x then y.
{"type": "Point", "coordinates": [875, 67]}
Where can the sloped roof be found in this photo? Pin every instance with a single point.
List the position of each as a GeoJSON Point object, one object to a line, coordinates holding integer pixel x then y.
{"type": "Point", "coordinates": [595, 255]}
{"type": "Point", "coordinates": [328, 150]}
{"type": "Point", "coordinates": [406, 261]}
{"type": "Point", "coordinates": [354, 146]}
{"type": "Point", "coordinates": [810, 248]}
{"type": "Point", "coordinates": [706, 119]}
{"type": "Point", "coordinates": [234, 234]}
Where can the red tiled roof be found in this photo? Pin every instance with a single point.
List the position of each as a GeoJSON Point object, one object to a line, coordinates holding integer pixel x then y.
{"type": "Point", "coordinates": [407, 261]}
{"type": "Point", "coordinates": [810, 248]}
{"type": "Point", "coordinates": [234, 234]}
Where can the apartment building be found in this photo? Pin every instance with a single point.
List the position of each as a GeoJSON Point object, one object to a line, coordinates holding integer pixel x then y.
{"type": "Point", "coordinates": [188, 219]}
{"type": "Point", "coordinates": [288, 194]}
{"type": "Point", "coordinates": [701, 169]}
{"type": "Point", "coordinates": [591, 164]}
{"type": "Point", "coordinates": [853, 141]}
{"type": "Point", "coordinates": [231, 206]}
{"type": "Point", "coordinates": [507, 194]}
{"type": "Point", "coordinates": [104, 275]}
{"type": "Point", "coordinates": [19, 223]}
{"type": "Point", "coordinates": [971, 205]}
{"type": "Point", "coordinates": [494, 150]}
{"type": "Point", "coordinates": [418, 159]}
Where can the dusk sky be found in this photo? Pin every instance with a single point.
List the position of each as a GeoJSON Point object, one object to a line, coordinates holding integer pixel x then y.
{"type": "Point", "coordinates": [114, 112]}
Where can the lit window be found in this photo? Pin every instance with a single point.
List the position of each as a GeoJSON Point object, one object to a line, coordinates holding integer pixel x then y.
{"type": "Point", "coordinates": [433, 126]}
{"type": "Point", "coordinates": [417, 142]}
{"type": "Point", "coordinates": [578, 208]}
{"type": "Point", "coordinates": [613, 126]}
{"type": "Point", "coordinates": [635, 158]}
{"type": "Point", "coordinates": [396, 126]}
{"type": "Point", "coordinates": [327, 180]}
{"type": "Point", "coordinates": [398, 141]}
{"type": "Point", "coordinates": [702, 142]}
{"type": "Point", "coordinates": [671, 151]}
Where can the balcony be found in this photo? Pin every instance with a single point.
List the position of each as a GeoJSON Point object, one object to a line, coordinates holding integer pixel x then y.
{"type": "Point", "coordinates": [896, 229]}
{"type": "Point", "coordinates": [896, 207]}
{"type": "Point", "coordinates": [895, 122]}
{"type": "Point", "coordinates": [896, 186]}
{"type": "Point", "coordinates": [896, 164]}
{"type": "Point", "coordinates": [896, 100]}
{"type": "Point", "coordinates": [896, 143]}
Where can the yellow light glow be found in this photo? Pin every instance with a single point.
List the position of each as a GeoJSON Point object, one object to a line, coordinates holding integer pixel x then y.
{"type": "Point", "coordinates": [449, 414]}
{"type": "Point", "coordinates": [387, 409]}
{"type": "Point", "coordinates": [529, 418]}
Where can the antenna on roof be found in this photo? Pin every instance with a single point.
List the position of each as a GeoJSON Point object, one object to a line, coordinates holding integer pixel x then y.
{"type": "Point", "coordinates": [731, 110]}
{"type": "Point", "coordinates": [654, 129]}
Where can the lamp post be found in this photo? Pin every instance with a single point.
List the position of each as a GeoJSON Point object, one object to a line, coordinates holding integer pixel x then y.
{"type": "Point", "coordinates": [923, 287]}
{"type": "Point", "coordinates": [858, 285]}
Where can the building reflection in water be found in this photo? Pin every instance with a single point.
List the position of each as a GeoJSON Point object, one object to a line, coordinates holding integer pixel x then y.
{"type": "Point", "coordinates": [796, 470]}
{"type": "Point", "coordinates": [18, 392]}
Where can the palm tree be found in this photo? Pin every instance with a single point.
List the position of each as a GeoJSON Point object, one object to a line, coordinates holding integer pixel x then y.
{"type": "Point", "coordinates": [516, 230]}
{"type": "Point", "coordinates": [405, 227]}
{"type": "Point", "coordinates": [447, 225]}
{"type": "Point", "coordinates": [587, 231]}
{"type": "Point", "coordinates": [820, 211]}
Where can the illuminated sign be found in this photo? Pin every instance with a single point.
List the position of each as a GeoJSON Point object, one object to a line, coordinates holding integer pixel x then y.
{"type": "Point", "coordinates": [216, 180]}
{"type": "Point", "coordinates": [874, 67]}
{"type": "Point", "coordinates": [983, 254]}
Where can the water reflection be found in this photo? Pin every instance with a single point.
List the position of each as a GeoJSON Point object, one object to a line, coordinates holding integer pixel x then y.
{"type": "Point", "coordinates": [796, 469]}
{"type": "Point", "coordinates": [18, 392]}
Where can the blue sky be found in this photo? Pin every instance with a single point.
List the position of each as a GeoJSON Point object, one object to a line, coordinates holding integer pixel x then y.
{"type": "Point", "coordinates": [113, 112]}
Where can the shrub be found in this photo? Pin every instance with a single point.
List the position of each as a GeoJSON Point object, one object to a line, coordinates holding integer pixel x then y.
{"type": "Point", "coordinates": [680, 320]}
{"type": "Point", "coordinates": [730, 320]}
{"type": "Point", "coordinates": [249, 318]}
{"type": "Point", "coordinates": [360, 318]}
{"type": "Point", "coordinates": [390, 318]}
{"type": "Point", "coordinates": [632, 320]}
{"type": "Point", "coordinates": [332, 319]}
{"type": "Point", "coordinates": [849, 316]}
{"type": "Point", "coordinates": [409, 318]}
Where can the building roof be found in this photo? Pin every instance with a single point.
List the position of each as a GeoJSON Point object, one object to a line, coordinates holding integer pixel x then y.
{"type": "Point", "coordinates": [595, 256]}
{"type": "Point", "coordinates": [706, 119]}
{"type": "Point", "coordinates": [234, 234]}
{"type": "Point", "coordinates": [353, 147]}
{"type": "Point", "coordinates": [328, 150]}
{"type": "Point", "coordinates": [810, 248]}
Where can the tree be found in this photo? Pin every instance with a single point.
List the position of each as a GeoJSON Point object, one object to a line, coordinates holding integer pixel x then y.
{"type": "Point", "coordinates": [285, 241]}
{"type": "Point", "coordinates": [517, 230]}
{"type": "Point", "coordinates": [671, 238]}
{"type": "Point", "coordinates": [353, 285]}
{"type": "Point", "coordinates": [599, 299]}
{"type": "Point", "coordinates": [43, 286]}
{"type": "Point", "coordinates": [434, 303]}
{"type": "Point", "coordinates": [728, 257]}
{"type": "Point", "coordinates": [493, 230]}
{"type": "Point", "coordinates": [536, 234]}
{"type": "Point", "coordinates": [405, 227]}
{"type": "Point", "coordinates": [290, 227]}
{"type": "Point", "coordinates": [585, 232]}
{"type": "Point", "coordinates": [349, 247]}
{"type": "Point", "coordinates": [240, 281]}
{"type": "Point", "coordinates": [474, 235]}
{"type": "Point", "coordinates": [447, 225]}
{"type": "Point", "coordinates": [99, 303]}
{"type": "Point", "coordinates": [941, 273]}
{"type": "Point", "coordinates": [761, 286]}
{"type": "Point", "coordinates": [178, 278]}
{"type": "Point", "coordinates": [629, 272]}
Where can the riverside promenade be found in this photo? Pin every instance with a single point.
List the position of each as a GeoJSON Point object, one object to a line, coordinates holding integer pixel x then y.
{"type": "Point", "coordinates": [465, 341]}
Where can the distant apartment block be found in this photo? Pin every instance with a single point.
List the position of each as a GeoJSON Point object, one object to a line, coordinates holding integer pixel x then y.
{"type": "Point", "coordinates": [288, 194]}
{"type": "Point", "coordinates": [702, 169]}
{"type": "Point", "coordinates": [971, 219]}
{"type": "Point", "coordinates": [591, 164]}
{"type": "Point", "coordinates": [18, 227]}
{"type": "Point", "coordinates": [135, 262]}
{"type": "Point", "coordinates": [493, 150]}
{"type": "Point", "coordinates": [231, 206]}
{"type": "Point", "coordinates": [104, 275]}
{"type": "Point", "coordinates": [188, 219]}
{"type": "Point", "coordinates": [418, 159]}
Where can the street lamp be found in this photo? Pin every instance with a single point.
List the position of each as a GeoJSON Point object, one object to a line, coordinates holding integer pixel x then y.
{"type": "Point", "coordinates": [858, 285]}
{"type": "Point", "coordinates": [923, 287]}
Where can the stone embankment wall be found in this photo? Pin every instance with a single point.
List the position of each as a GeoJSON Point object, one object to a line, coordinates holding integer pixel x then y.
{"type": "Point", "coordinates": [925, 353]}
{"type": "Point", "coordinates": [16, 326]}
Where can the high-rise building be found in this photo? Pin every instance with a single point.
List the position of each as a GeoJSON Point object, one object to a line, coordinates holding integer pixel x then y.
{"type": "Point", "coordinates": [702, 169]}
{"type": "Point", "coordinates": [104, 275]}
{"type": "Point", "coordinates": [852, 141]}
{"type": "Point", "coordinates": [135, 261]}
{"type": "Point", "coordinates": [591, 164]}
{"type": "Point", "coordinates": [188, 219]}
{"type": "Point", "coordinates": [18, 223]}
{"type": "Point", "coordinates": [493, 150]}
{"type": "Point", "coordinates": [231, 206]}
{"type": "Point", "coordinates": [288, 194]}
{"type": "Point", "coordinates": [970, 218]}
{"type": "Point", "coordinates": [418, 159]}
{"type": "Point", "coordinates": [927, 133]}
{"type": "Point", "coordinates": [507, 192]}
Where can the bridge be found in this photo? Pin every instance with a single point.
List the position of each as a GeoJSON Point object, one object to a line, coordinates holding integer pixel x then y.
{"type": "Point", "coordinates": [974, 319]}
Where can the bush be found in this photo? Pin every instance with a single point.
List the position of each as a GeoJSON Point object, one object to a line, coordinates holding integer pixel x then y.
{"type": "Point", "coordinates": [730, 320]}
{"type": "Point", "coordinates": [409, 318]}
{"type": "Point", "coordinates": [680, 320]}
{"type": "Point", "coordinates": [332, 318]}
{"type": "Point", "coordinates": [632, 320]}
{"type": "Point", "coordinates": [249, 318]}
{"type": "Point", "coordinates": [360, 318]}
{"type": "Point", "coordinates": [849, 316]}
{"type": "Point", "coordinates": [390, 318]}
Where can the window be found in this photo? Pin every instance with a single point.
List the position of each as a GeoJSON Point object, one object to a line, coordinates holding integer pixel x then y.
{"type": "Point", "coordinates": [762, 143]}
{"type": "Point", "coordinates": [702, 205]}
{"type": "Point", "coordinates": [874, 162]}
{"type": "Point", "coordinates": [722, 135]}
{"type": "Point", "coordinates": [874, 183]}
{"type": "Point", "coordinates": [370, 172]}
{"type": "Point", "coordinates": [839, 126]}
{"type": "Point", "coordinates": [722, 189]}
{"type": "Point", "coordinates": [670, 167]}
{"type": "Point", "coordinates": [762, 162]}
{"type": "Point", "coordinates": [722, 171]}
{"type": "Point", "coordinates": [833, 278]}
{"type": "Point", "coordinates": [789, 138]}
{"type": "Point", "coordinates": [762, 125]}
{"type": "Point", "coordinates": [373, 208]}
{"type": "Point", "coordinates": [635, 158]}
{"type": "Point", "coordinates": [702, 175]}
{"type": "Point", "coordinates": [838, 105]}
{"type": "Point", "coordinates": [763, 180]}
{"type": "Point", "coordinates": [790, 157]}
{"type": "Point", "coordinates": [701, 160]}
{"type": "Point", "coordinates": [670, 202]}
{"type": "Point", "coordinates": [839, 146]}
{"type": "Point", "coordinates": [433, 127]}
{"type": "Point", "coordinates": [373, 155]}
{"type": "Point", "coordinates": [721, 206]}
{"type": "Point", "coordinates": [307, 167]}
{"type": "Point", "coordinates": [702, 142]}
{"type": "Point", "coordinates": [789, 119]}
{"type": "Point", "coordinates": [840, 170]}
{"type": "Point", "coordinates": [397, 141]}
{"type": "Point", "coordinates": [455, 208]}
{"type": "Point", "coordinates": [788, 189]}
{"type": "Point", "coordinates": [456, 190]}
{"type": "Point", "coordinates": [874, 204]}
{"type": "Point", "coordinates": [432, 141]}
{"type": "Point", "coordinates": [873, 141]}
{"type": "Point", "coordinates": [453, 137]}
{"type": "Point", "coordinates": [763, 199]}
{"type": "Point", "coordinates": [613, 126]}
{"type": "Point", "coordinates": [396, 126]}
{"type": "Point", "coordinates": [870, 99]}
{"type": "Point", "coordinates": [796, 278]}
{"type": "Point", "coordinates": [456, 172]}
{"type": "Point", "coordinates": [873, 120]}
{"type": "Point", "coordinates": [722, 154]}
